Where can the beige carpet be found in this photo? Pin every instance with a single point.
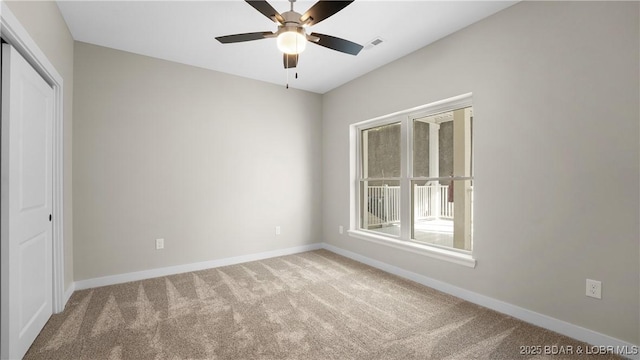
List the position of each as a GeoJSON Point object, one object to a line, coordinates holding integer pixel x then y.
{"type": "Point", "coordinates": [314, 305]}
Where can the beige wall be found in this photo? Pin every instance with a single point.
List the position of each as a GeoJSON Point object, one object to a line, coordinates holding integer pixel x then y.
{"type": "Point", "coordinates": [556, 146]}
{"type": "Point", "coordinates": [47, 28]}
{"type": "Point", "coordinates": [208, 161]}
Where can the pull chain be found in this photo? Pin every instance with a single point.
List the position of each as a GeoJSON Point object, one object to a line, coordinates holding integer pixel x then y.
{"type": "Point", "coordinates": [287, 70]}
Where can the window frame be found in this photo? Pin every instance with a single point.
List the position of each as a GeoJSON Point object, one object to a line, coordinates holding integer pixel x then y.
{"type": "Point", "coordinates": [404, 241]}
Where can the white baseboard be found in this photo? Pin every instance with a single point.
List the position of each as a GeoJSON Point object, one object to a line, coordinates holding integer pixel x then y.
{"type": "Point", "coordinates": [532, 317]}
{"type": "Point", "coordinates": [68, 293]}
{"type": "Point", "coordinates": [178, 269]}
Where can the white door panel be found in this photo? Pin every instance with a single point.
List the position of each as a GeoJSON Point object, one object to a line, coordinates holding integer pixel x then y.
{"type": "Point", "coordinates": [27, 119]}
{"type": "Point", "coordinates": [33, 148]}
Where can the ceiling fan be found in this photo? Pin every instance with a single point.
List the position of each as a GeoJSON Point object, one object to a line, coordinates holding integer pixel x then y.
{"type": "Point", "coordinates": [291, 35]}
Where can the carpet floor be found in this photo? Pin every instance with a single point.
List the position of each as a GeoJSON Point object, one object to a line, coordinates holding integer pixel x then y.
{"type": "Point", "coordinates": [313, 305]}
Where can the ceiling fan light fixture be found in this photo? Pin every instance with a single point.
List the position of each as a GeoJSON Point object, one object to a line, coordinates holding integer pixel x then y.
{"type": "Point", "coordinates": [292, 42]}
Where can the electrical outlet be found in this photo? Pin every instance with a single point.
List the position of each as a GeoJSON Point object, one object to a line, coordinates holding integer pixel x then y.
{"type": "Point", "coordinates": [159, 244]}
{"type": "Point", "coordinates": [594, 289]}
{"type": "Point", "coordinates": [341, 229]}
{"type": "Point", "coordinates": [278, 230]}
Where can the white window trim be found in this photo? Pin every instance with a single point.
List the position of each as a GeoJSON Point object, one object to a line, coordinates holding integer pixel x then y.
{"type": "Point", "coordinates": [402, 243]}
{"type": "Point", "coordinates": [421, 249]}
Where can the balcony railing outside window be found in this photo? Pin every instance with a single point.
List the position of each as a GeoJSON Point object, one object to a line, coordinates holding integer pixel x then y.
{"type": "Point", "coordinates": [431, 202]}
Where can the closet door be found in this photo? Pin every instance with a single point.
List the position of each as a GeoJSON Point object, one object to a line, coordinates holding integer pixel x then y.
{"type": "Point", "coordinates": [26, 230]}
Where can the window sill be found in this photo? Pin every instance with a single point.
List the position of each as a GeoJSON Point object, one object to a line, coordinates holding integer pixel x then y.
{"type": "Point", "coordinates": [430, 251]}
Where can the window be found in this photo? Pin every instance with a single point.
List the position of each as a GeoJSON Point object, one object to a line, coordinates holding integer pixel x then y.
{"type": "Point", "coordinates": [380, 181]}
{"type": "Point", "coordinates": [414, 178]}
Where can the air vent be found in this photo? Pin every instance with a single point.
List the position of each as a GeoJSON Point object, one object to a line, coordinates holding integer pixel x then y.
{"type": "Point", "coordinates": [373, 43]}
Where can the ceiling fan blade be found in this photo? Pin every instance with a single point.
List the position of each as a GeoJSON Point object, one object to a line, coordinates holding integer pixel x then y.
{"type": "Point", "coordinates": [227, 39]}
{"type": "Point", "coordinates": [267, 10]}
{"type": "Point", "coordinates": [337, 44]}
{"type": "Point", "coordinates": [322, 10]}
{"type": "Point", "coordinates": [290, 61]}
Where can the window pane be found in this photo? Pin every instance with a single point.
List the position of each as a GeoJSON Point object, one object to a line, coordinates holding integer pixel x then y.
{"type": "Point", "coordinates": [461, 142]}
{"type": "Point", "coordinates": [381, 151]}
{"type": "Point", "coordinates": [445, 143]}
{"type": "Point", "coordinates": [421, 132]}
{"type": "Point", "coordinates": [442, 144]}
{"type": "Point", "coordinates": [380, 207]}
{"type": "Point", "coordinates": [442, 214]}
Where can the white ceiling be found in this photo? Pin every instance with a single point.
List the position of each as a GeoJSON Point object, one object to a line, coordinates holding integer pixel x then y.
{"type": "Point", "coordinates": [185, 31]}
